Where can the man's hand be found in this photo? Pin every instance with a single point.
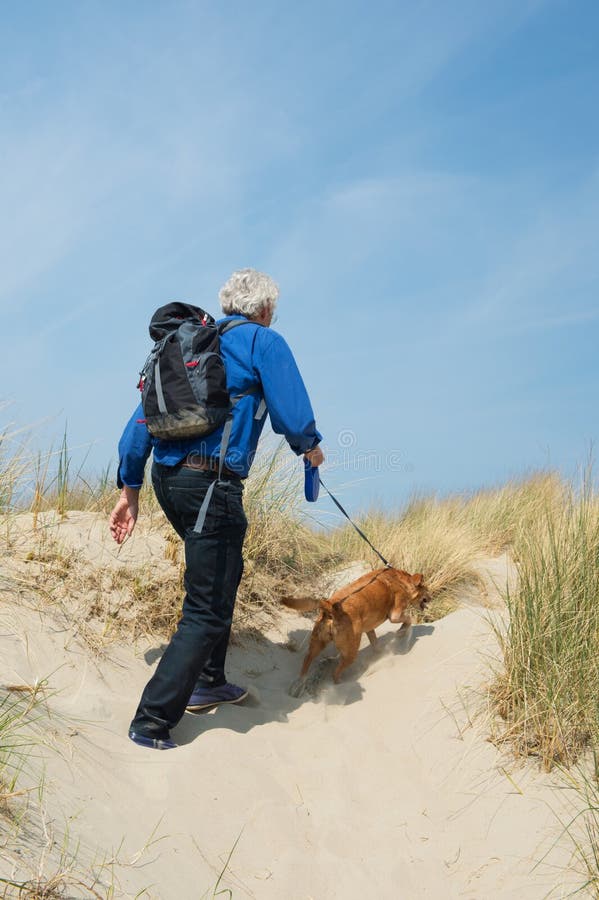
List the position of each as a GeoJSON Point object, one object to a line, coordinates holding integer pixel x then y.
{"type": "Point", "coordinates": [315, 456]}
{"type": "Point", "coordinates": [124, 515]}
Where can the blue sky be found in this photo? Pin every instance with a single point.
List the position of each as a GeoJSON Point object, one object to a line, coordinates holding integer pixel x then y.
{"type": "Point", "coordinates": [422, 179]}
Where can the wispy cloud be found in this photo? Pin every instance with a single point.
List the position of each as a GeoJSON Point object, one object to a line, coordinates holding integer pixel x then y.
{"type": "Point", "coordinates": [546, 275]}
{"type": "Point", "coordinates": [177, 123]}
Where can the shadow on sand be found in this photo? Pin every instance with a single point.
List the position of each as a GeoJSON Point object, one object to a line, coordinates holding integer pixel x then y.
{"type": "Point", "coordinates": [270, 671]}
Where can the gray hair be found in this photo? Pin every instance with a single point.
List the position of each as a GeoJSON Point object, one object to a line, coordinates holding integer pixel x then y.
{"type": "Point", "coordinates": [247, 292]}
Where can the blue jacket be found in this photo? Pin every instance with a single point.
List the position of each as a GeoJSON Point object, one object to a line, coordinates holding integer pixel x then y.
{"type": "Point", "coordinates": [254, 356]}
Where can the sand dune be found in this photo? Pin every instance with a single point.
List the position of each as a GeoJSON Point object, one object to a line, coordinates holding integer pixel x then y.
{"type": "Point", "coordinates": [383, 786]}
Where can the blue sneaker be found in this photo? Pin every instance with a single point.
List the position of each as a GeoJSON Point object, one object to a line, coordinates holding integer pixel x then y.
{"type": "Point", "coordinates": [203, 698]}
{"type": "Point", "coordinates": [142, 740]}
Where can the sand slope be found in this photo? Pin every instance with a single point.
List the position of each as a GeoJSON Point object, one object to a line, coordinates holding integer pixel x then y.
{"type": "Point", "coordinates": [384, 786]}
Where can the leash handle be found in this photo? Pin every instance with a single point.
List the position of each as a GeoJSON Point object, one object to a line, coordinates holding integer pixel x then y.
{"type": "Point", "coordinates": [360, 532]}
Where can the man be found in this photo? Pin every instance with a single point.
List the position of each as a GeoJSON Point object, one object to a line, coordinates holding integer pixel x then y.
{"type": "Point", "coordinates": [260, 366]}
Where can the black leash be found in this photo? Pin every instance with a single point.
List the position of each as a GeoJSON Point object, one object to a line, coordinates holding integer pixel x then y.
{"type": "Point", "coordinates": [361, 533]}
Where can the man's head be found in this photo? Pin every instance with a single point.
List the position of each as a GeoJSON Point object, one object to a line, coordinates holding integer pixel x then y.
{"type": "Point", "coordinates": [250, 293]}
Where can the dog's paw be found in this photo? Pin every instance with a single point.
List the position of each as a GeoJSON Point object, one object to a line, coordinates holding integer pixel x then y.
{"type": "Point", "coordinates": [297, 688]}
{"type": "Point", "coordinates": [311, 683]}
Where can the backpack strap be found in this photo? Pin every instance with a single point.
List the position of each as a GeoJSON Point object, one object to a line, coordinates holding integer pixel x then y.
{"type": "Point", "coordinates": [227, 326]}
{"type": "Point", "coordinates": [157, 375]}
{"type": "Point", "coordinates": [233, 323]}
{"type": "Point", "coordinates": [227, 427]}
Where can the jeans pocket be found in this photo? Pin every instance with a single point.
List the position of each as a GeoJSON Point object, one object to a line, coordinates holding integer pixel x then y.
{"type": "Point", "coordinates": [187, 494]}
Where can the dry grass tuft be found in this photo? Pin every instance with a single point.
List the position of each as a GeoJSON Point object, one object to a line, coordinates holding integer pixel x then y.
{"type": "Point", "coordinates": [104, 603]}
{"type": "Point", "coordinates": [21, 708]}
{"type": "Point", "coordinates": [498, 515]}
{"type": "Point", "coordinates": [428, 537]}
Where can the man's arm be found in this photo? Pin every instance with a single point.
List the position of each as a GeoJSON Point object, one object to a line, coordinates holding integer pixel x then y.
{"type": "Point", "coordinates": [135, 446]}
{"type": "Point", "coordinates": [286, 397]}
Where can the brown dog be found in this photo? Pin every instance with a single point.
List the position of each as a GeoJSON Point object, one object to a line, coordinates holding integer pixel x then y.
{"type": "Point", "coordinates": [359, 607]}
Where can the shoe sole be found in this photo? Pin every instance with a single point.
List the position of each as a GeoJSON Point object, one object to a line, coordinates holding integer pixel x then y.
{"type": "Point", "coordinates": [199, 707]}
{"type": "Point", "coordinates": [152, 743]}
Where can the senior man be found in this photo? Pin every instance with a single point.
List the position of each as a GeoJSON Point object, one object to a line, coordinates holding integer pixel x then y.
{"type": "Point", "coordinates": [259, 366]}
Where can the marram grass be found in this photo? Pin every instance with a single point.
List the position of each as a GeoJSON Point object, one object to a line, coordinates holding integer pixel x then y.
{"type": "Point", "coordinates": [549, 691]}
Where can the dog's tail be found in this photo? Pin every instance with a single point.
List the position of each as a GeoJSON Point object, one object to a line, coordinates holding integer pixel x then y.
{"type": "Point", "coordinates": [337, 611]}
{"type": "Point", "coordinates": [300, 604]}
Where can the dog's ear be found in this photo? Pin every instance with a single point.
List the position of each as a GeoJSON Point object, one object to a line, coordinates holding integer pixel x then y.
{"type": "Point", "coordinates": [417, 579]}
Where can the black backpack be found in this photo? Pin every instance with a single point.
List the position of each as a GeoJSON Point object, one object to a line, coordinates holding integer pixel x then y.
{"type": "Point", "coordinates": [183, 384]}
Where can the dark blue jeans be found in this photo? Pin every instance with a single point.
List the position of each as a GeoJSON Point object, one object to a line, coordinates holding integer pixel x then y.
{"type": "Point", "coordinates": [213, 568]}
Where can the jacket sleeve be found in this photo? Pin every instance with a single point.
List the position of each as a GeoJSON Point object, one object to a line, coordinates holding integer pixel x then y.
{"type": "Point", "coordinates": [135, 446]}
{"type": "Point", "coordinates": [285, 394]}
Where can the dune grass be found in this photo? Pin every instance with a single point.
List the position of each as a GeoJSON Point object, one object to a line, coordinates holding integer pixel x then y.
{"type": "Point", "coordinates": [16, 705]}
{"type": "Point", "coordinates": [549, 691]}
{"type": "Point", "coordinates": [582, 824]}
{"type": "Point", "coordinates": [444, 538]}
{"type": "Point", "coordinates": [131, 601]}
{"type": "Point", "coordinates": [19, 711]}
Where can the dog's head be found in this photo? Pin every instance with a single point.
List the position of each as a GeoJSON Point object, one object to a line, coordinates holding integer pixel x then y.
{"type": "Point", "coordinates": [421, 596]}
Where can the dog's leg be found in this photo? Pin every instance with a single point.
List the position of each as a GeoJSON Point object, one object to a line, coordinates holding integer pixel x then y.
{"type": "Point", "coordinates": [317, 645]}
{"type": "Point", "coordinates": [398, 609]}
{"type": "Point", "coordinates": [406, 624]}
{"type": "Point", "coordinates": [348, 655]}
{"type": "Point", "coordinates": [371, 635]}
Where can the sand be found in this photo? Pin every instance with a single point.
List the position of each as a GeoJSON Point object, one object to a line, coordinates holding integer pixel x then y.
{"type": "Point", "coordinates": [384, 786]}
